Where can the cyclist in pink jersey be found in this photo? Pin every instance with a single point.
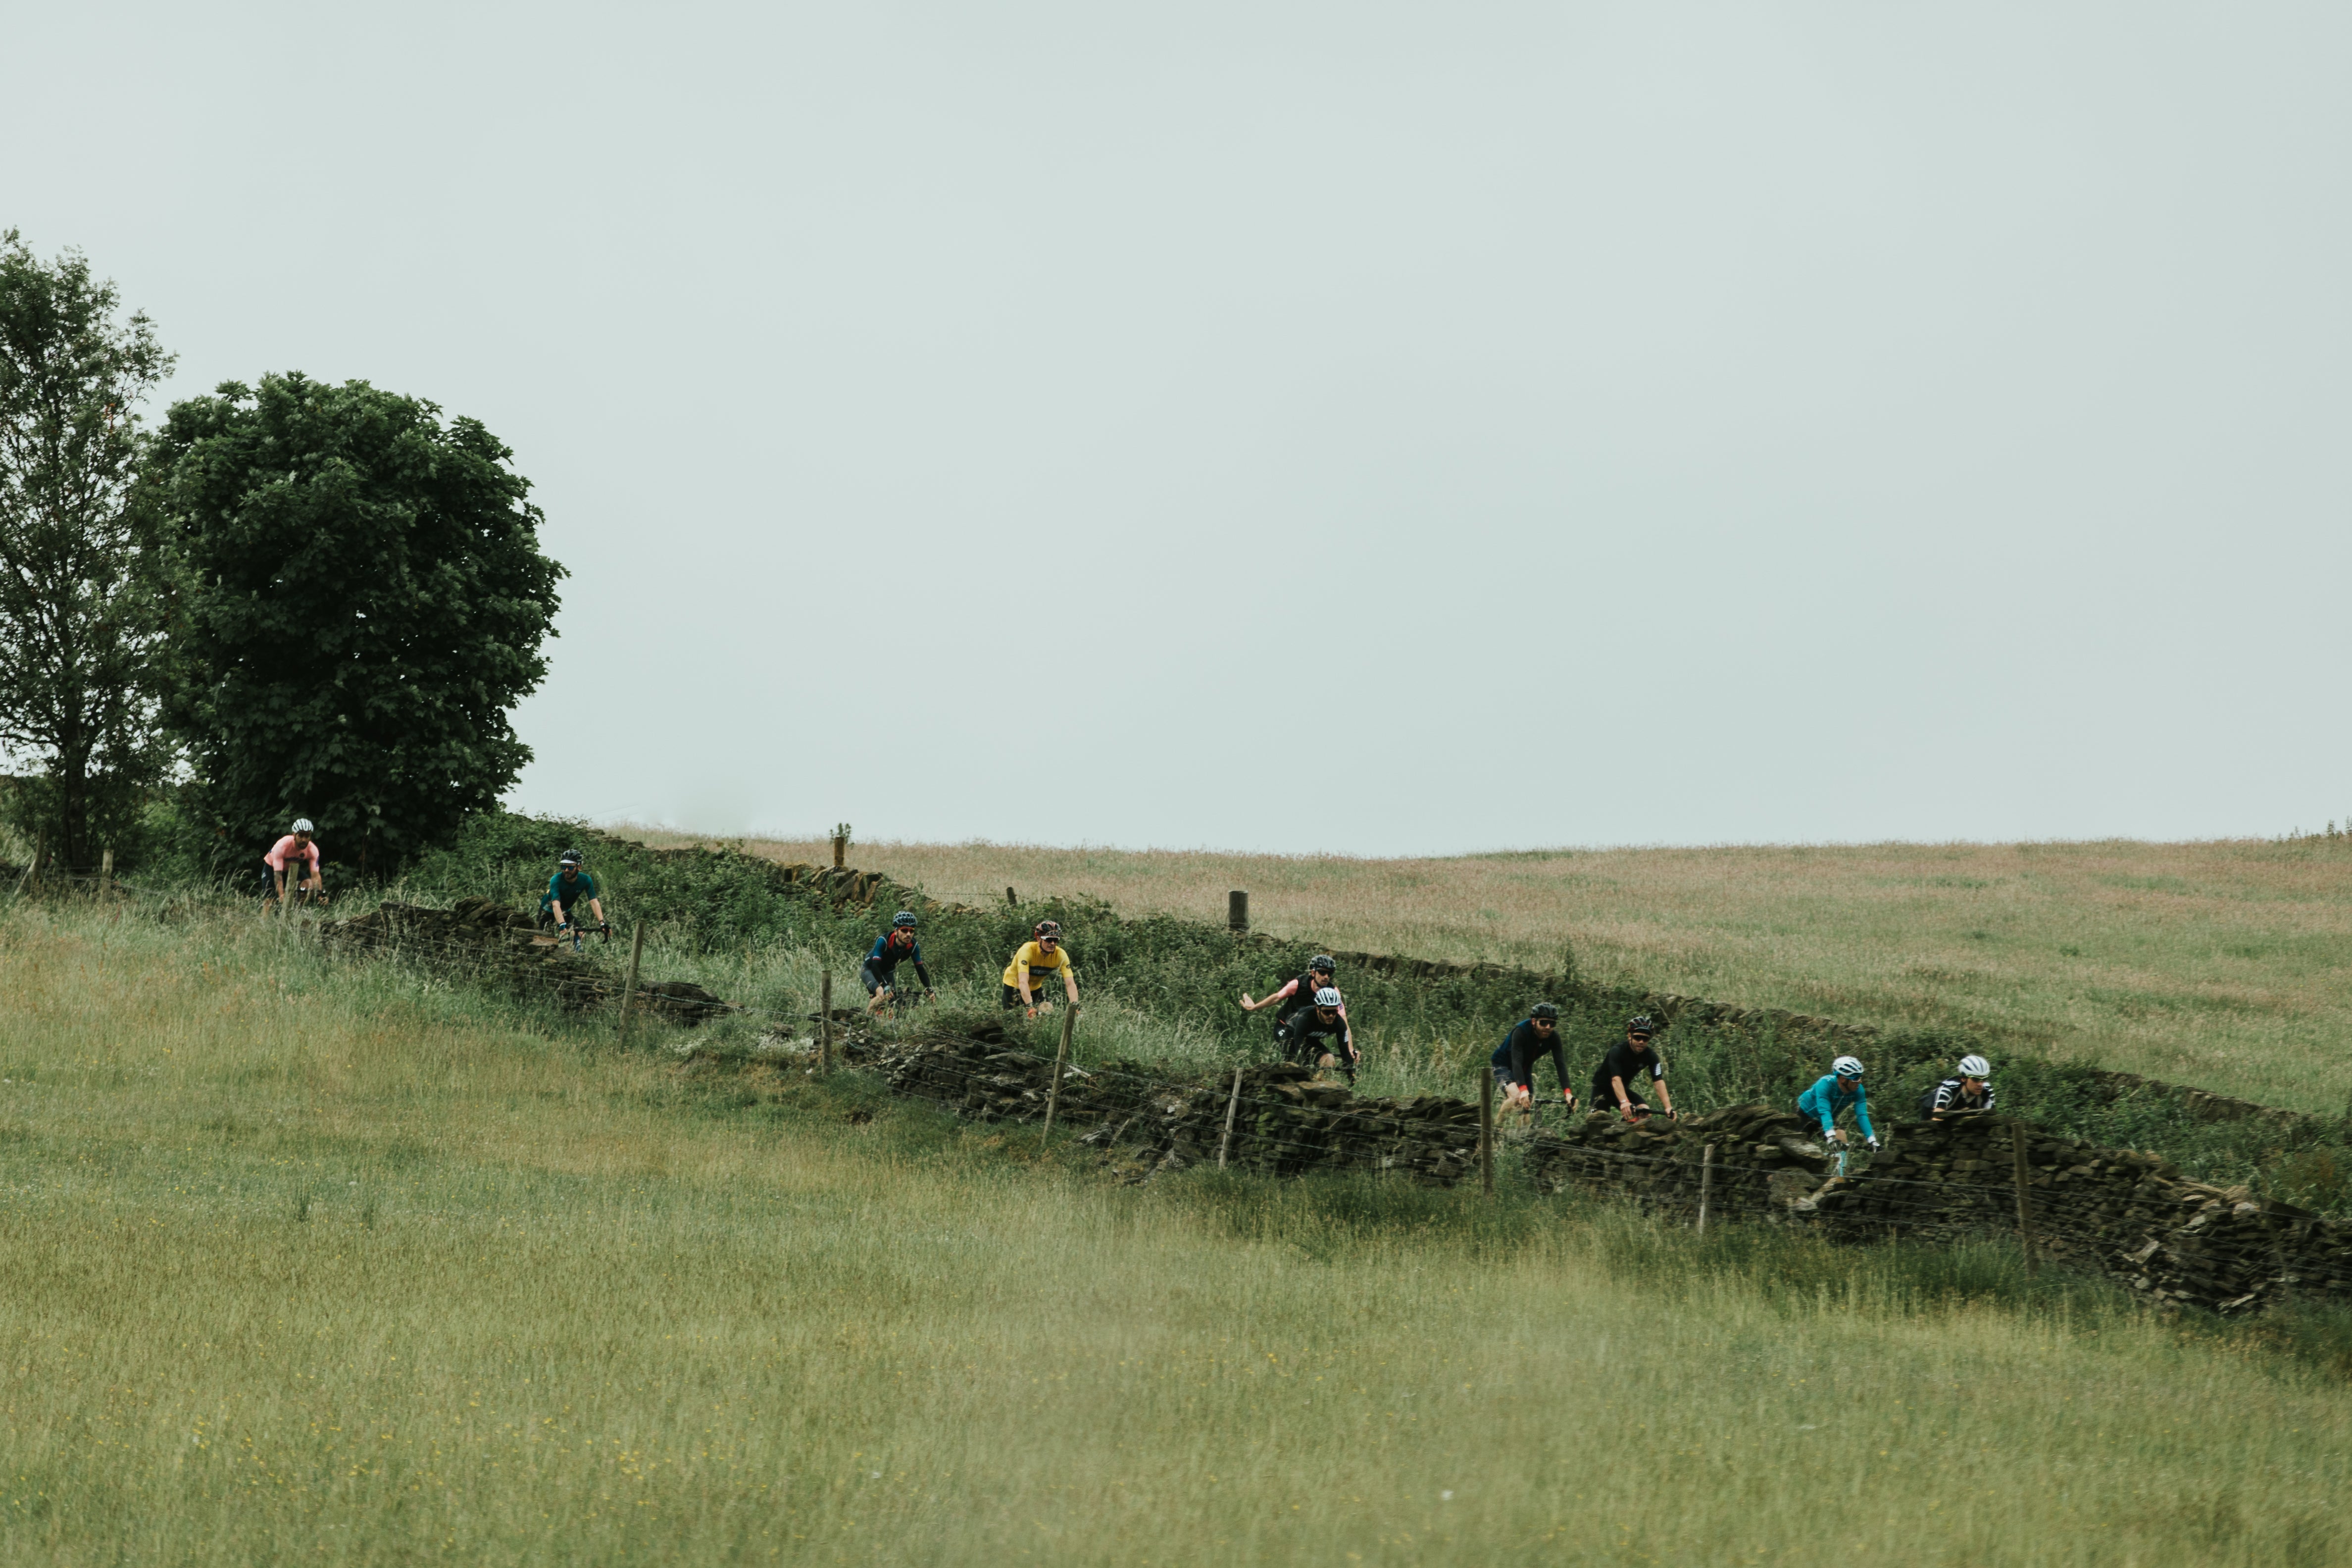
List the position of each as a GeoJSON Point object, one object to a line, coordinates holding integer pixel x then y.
{"type": "Point", "coordinates": [289, 852]}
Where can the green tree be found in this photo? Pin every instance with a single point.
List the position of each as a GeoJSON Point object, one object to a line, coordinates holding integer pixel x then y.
{"type": "Point", "coordinates": [79, 629]}
{"type": "Point", "coordinates": [360, 598]}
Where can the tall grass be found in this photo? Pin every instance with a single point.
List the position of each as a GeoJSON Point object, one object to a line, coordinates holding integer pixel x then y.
{"type": "Point", "coordinates": [304, 1262]}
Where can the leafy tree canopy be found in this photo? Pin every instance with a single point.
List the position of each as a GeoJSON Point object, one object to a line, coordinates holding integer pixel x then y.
{"type": "Point", "coordinates": [360, 601]}
{"type": "Point", "coordinates": [78, 628]}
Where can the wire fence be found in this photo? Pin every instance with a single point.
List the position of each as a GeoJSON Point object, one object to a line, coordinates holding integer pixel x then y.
{"type": "Point", "coordinates": [2157, 1239]}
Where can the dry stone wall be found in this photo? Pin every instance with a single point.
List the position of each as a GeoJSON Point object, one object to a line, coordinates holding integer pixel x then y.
{"type": "Point", "coordinates": [496, 944]}
{"type": "Point", "coordinates": [1285, 1120]}
{"type": "Point", "coordinates": [2127, 1215]}
{"type": "Point", "coordinates": [2115, 1212]}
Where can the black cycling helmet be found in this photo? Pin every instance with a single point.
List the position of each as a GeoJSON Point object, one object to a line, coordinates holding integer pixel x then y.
{"type": "Point", "coordinates": [1322, 960]}
{"type": "Point", "coordinates": [903, 921]}
{"type": "Point", "coordinates": [1044, 929]}
{"type": "Point", "coordinates": [571, 857]}
{"type": "Point", "coordinates": [1640, 1024]}
{"type": "Point", "coordinates": [1544, 1010]}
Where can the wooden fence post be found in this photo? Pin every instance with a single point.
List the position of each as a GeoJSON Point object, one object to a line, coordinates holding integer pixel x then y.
{"type": "Point", "coordinates": [1011, 899]}
{"type": "Point", "coordinates": [1706, 1184]}
{"type": "Point", "coordinates": [106, 872]}
{"type": "Point", "coordinates": [1487, 1129]}
{"type": "Point", "coordinates": [2025, 1201]}
{"type": "Point", "coordinates": [1237, 912]}
{"type": "Point", "coordinates": [629, 992]}
{"type": "Point", "coordinates": [825, 1023]}
{"type": "Point", "coordinates": [840, 849]}
{"type": "Point", "coordinates": [1232, 1106]}
{"type": "Point", "coordinates": [1053, 1089]}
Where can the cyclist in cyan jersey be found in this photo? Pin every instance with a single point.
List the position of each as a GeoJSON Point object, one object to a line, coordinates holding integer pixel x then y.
{"type": "Point", "coordinates": [1514, 1059]}
{"type": "Point", "coordinates": [1317, 1034]}
{"type": "Point", "coordinates": [1298, 993]}
{"type": "Point", "coordinates": [1970, 1092]}
{"type": "Point", "coordinates": [566, 891]}
{"type": "Point", "coordinates": [1832, 1093]}
{"type": "Point", "coordinates": [297, 849]}
{"type": "Point", "coordinates": [1041, 955]}
{"type": "Point", "coordinates": [893, 947]}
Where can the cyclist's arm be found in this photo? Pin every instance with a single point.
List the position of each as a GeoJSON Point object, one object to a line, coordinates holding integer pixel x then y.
{"type": "Point", "coordinates": [923, 975]}
{"type": "Point", "coordinates": [1288, 987]}
{"type": "Point", "coordinates": [1558, 1066]}
{"type": "Point", "coordinates": [1665, 1101]}
{"type": "Point", "coordinates": [597, 907]}
{"type": "Point", "coordinates": [1021, 983]}
{"type": "Point", "coordinates": [1862, 1111]}
{"type": "Point", "coordinates": [1617, 1088]}
{"type": "Point", "coordinates": [1070, 982]}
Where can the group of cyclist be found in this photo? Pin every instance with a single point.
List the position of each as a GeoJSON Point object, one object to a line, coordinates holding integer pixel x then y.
{"type": "Point", "coordinates": [1041, 957]}
{"type": "Point", "coordinates": [1312, 1027]}
{"type": "Point", "coordinates": [1629, 1066]}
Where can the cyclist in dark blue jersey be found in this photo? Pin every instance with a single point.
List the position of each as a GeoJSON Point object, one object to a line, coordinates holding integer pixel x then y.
{"type": "Point", "coordinates": [893, 947]}
{"type": "Point", "coordinates": [1514, 1061]}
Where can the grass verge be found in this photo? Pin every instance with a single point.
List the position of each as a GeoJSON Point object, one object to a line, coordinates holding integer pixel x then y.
{"type": "Point", "coordinates": [300, 1261]}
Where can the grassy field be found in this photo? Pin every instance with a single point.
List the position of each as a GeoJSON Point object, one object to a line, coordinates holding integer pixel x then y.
{"type": "Point", "coordinates": [2228, 965]}
{"type": "Point", "coordinates": [342, 1264]}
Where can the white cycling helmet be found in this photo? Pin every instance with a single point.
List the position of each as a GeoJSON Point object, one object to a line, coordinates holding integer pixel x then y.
{"type": "Point", "coordinates": [302, 825]}
{"type": "Point", "coordinates": [1847, 1067]}
{"type": "Point", "coordinates": [1327, 998]}
{"type": "Point", "coordinates": [1975, 1067]}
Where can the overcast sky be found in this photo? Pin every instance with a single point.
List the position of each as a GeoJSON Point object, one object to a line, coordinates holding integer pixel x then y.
{"type": "Point", "coordinates": [1356, 426]}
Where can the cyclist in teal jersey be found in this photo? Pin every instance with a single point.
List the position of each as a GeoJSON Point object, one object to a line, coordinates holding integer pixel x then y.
{"type": "Point", "coordinates": [566, 891]}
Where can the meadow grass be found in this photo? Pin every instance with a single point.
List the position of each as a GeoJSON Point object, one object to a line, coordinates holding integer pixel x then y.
{"type": "Point", "coordinates": [310, 1262]}
{"type": "Point", "coordinates": [2218, 964]}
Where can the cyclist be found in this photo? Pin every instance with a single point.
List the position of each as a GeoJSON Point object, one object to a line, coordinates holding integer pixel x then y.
{"type": "Point", "coordinates": [1970, 1092]}
{"type": "Point", "coordinates": [893, 947]}
{"type": "Point", "coordinates": [1529, 1043]}
{"type": "Point", "coordinates": [1041, 955]}
{"type": "Point", "coordinates": [296, 846]}
{"type": "Point", "coordinates": [1832, 1093]}
{"type": "Point", "coordinates": [1318, 1033]}
{"type": "Point", "coordinates": [1299, 993]}
{"type": "Point", "coordinates": [566, 891]}
{"type": "Point", "coordinates": [1621, 1071]}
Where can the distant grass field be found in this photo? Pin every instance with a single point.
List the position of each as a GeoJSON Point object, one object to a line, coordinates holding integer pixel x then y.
{"type": "Point", "coordinates": [320, 1264]}
{"type": "Point", "coordinates": [2226, 965]}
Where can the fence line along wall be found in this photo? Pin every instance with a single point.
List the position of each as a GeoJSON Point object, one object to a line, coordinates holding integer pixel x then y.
{"type": "Point", "coordinates": [2125, 1215]}
{"type": "Point", "coordinates": [495, 943]}
{"type": "Point", "coordinates": [1287, 1122]}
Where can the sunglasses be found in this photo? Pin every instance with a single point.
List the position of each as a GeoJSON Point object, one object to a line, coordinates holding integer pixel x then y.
{"type": "Point", "coordinates": [1047, 940]}
{"type": "Point", "coordinates": [1547, 1023]}
{"type": "Point", "coordinates": [1327, 1012]}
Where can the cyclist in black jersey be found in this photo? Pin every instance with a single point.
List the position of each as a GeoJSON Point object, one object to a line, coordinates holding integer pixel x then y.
{"type": "Point", "coordinates": [1318, 1036]}
{"type": "Point", "coordinates": [1514, 1061]}
{"type": "Point", "coordinates": [1298, 993]}
{"type": "Point", "coordinates": [1617, 1081]}
{"type": "Point", "coordinates": [1970, 1092]}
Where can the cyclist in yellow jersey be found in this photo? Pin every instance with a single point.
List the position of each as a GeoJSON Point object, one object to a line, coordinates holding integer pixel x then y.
{"type": "Point", "coordinates": [1041, 955]}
